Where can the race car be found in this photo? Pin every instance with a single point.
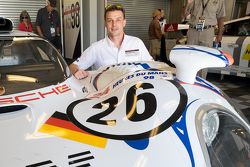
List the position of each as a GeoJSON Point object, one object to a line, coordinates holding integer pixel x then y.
{"type": "Point", "coordinates": [129, 114]}
{"type": "Point", "coordinates": [236, 41]}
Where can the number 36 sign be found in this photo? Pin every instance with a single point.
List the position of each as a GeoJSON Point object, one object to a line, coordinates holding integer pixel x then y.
{"type": "Point", "coordinates": [131, 112]}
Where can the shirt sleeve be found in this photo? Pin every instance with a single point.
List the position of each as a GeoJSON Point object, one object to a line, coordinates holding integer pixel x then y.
{"type": "Point", "coordinates": [87, 58]}
{"type": "Point", "coordinates": [158, 31]}
{"type": "Point", "coordinates": [57, 20]}
{"type": "Point", "coordinates": [221, 12]}
{"type": "Point", "coordinates": [39, 18]}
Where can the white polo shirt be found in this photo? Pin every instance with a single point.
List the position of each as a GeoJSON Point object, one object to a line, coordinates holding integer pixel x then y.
{"type": "Point", "coordinates": [104, 52]}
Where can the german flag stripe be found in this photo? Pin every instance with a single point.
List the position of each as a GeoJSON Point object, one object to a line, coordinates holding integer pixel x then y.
{"type": "Point", "coordinates": [64, 124]}
{"type": "Point", "coordinates": [60, 115]}
{"type": "Point", "coordinates": [59, 125]}
{"type": "Point", "coordinates": [74, 135]}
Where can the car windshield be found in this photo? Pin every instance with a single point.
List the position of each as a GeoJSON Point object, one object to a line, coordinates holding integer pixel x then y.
{"type": "Point", "coordinates": [28, 64]}
{"type": "Point", "coordinates": [239, 28]}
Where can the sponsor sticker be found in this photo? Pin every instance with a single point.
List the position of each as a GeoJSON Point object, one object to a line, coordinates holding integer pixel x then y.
{"type": "Point", "coordinates": [246, 54]}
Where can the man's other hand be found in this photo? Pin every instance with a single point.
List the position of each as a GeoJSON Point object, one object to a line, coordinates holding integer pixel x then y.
{"type": "Point", "coordinates": [81, 74]}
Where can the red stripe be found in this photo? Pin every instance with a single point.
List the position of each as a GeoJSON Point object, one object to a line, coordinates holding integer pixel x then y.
{"type": "Point", "coordinates": [64, 124]}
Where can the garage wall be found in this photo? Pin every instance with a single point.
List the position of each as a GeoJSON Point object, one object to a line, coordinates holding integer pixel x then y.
{"type": "Point", "coordinates": [138, 15]}
{"type": "Point", "coordinates": [12, 8]}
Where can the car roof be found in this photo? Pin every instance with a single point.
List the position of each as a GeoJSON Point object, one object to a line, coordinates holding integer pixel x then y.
{"type": "Point", "coordinates": [236, 20]}
{"type": "Point", "coordinates": [6, 30]}
{"type": "Point", "coordinates": [17, 33]}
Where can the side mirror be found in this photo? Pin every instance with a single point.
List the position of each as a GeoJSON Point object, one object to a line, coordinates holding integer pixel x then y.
{"type": "Point", "coordinates": [6, 25]}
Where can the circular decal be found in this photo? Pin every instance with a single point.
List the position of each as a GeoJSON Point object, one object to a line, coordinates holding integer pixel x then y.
{"type": "Point", "coordinates": [136, 110]}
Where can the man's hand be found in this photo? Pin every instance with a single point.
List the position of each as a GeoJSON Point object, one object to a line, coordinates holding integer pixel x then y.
{"type": "Point", "coordinates": [80, 74]}
{"type": "Point", "coordinates": [218, 38]}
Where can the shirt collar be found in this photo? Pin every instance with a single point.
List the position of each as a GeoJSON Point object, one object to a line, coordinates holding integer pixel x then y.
{"type": "Point", "coordinates": [111, 44]}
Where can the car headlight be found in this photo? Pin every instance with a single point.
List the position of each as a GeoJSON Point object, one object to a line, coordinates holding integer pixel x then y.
{"type": "Point", "coordinates": [226, 137]}
{"type": "Point", "coordinates": [210, 126]}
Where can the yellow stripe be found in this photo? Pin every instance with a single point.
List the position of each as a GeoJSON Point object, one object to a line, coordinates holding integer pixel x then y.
{"type": "Point", "coordinates": [73, 135]}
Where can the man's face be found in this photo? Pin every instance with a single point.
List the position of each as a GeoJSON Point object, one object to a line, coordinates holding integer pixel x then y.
{"type": "Point", "coordinates": [50, 8]}
{"type": "Point", "coordinates": [115, 23]}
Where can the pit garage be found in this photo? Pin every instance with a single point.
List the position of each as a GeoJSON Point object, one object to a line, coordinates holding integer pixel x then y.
{"type": "Point", "coordinates": [129, 114]}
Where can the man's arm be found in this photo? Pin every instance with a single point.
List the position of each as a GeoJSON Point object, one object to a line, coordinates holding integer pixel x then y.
{"type": "Point", "coordinates": [86, 60]}
{"type": "Point", "coordinates": [58, 24]}
{"type": "Point", "coordinates": [73, 68]}
{"type": "Point", "coordinates": [186, 8]}
{"type": "Point", "coordinates": [58, 31]}
{"type": "Point", "coordinates": [39, 31]}
{"type": "Point", "coordinates": [38, 24]}
{"type": "Point", "coordinates": [158, 31]}
{"type": "Point", "coordinates": [220, 29]}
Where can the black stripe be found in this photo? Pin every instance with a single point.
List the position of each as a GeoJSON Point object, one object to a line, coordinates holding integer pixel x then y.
{"type": "Point", "coordinates": [60, 115]}
{"type": "Point", "coordinates": [84, 165]}
{"type": "Point", "coordinates": [80, 160]}
{"type": "Point", "coordinates": [14, 108]}
{"type": "Point", "coordinates": [40, 163]}
{"type": "Point", "coordinates": [79, 154]}
{"type": "Point", "coordinates": [237, 51]}
{"type": "Point", "coordinates": [53, 166]}
{"type": "Point", "coordinates": [134, 50]}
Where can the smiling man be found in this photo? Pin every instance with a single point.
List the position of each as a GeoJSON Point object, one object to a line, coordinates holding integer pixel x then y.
{"type": "Point", "coordinates": [116, 47]}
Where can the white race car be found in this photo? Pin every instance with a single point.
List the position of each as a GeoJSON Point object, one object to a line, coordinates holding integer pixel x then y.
{"type": "Point", "coordinates": [138, 114]}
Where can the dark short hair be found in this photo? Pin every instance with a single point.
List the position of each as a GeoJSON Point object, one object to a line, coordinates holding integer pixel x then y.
{"type": "Point", "coordinates": [114, 7]}
{"type": "Point", "coordinates": [52, 3]}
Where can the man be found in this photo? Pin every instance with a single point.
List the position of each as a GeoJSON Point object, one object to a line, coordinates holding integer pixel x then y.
{"type": "Point", "coordinates": [115, 48]}
{"type": "Point", "coordinates": [155, 34]}
{"type": "Point", "coordinates": [204, 16]}
{"type": "Point", "coordinates": [48, 24]}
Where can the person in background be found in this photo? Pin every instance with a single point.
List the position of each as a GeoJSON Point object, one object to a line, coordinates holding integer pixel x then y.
{"type": "Point", "coordinates": [48, 24]}
{"type": "Point", "coordinates": [116, 47]}
{"type": "Point", "coordinates": [25, 22]}
{"type": "Point", "coordinates": [204, 16]}
{"type": "Point", "coordinates": [162, 20]}
{"type": "Point", "coordinates": [155, 35]}
{"type": "Point", "coordinates": [163, 54]}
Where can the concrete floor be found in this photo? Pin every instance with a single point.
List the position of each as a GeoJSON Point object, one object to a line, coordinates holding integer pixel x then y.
{"type": "Point", "coordinates": [237, 88]}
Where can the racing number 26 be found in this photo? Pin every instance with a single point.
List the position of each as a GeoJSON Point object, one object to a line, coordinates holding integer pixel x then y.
{"type": "Point", "coordinates": [131, 107]}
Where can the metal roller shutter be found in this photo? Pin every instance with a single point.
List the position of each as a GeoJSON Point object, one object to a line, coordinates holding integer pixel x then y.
{"type": "Point", "coordinates": [12, 8]}
{"type": "Point", "coordinates": [139, 15]}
